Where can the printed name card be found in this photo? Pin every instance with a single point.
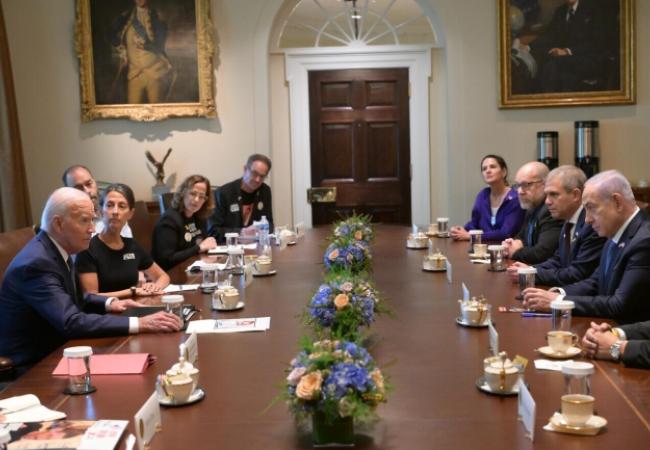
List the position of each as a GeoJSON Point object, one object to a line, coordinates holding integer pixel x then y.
{"type": "Point", "coordinates": [526, 410]}
{"type": "Point", "coordinates": [448, 264]}
{"type": "Point", "coordinates": [494, 339]}
{"type": "Point", "coordinates": [191, 349]}
{"type": "Point", "coordinates": [465, 293]}
{"type": "Point", "coordinates": [147, 422]}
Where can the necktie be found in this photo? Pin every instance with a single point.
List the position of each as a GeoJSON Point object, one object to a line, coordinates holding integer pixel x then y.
{"type": "Point", "coordinates": [568, 227]}
{"type": "Point", "coordinates": [608, 263]}
{"type": "Point", "coordinates": [532, 223]}
{"type": "Point", "coordinates": [73, 279]}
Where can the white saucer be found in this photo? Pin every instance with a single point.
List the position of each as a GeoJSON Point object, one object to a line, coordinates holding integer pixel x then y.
{"type": "Point", "coordinates": [431, 234]}
{"type": "Point", "coordinates": [292, 243]}
{"type": "Point", "coordinates": [444, 269]}
{"type": "Point", "coordinates": [570, 353]}
{"type": "Point", "coordinates": [482, 385]}
{"type": "Point", "coordinates": [238, 306]}
{"type": "Point", "coordinates": [460, 321]}
{"type": "Point", "coordinates": [417, 247]}
{"type": "Point", "coordinates": [267, 274]}
{"type": "Point", "coordinates": [478, 256]}
{"type": "Point", "coordinates": [591, 428]}
{"type": "Point", "coordinates": [196, 396]}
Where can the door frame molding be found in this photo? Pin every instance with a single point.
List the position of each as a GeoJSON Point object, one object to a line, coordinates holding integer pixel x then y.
{"type": "Point", "coordinates": [416, 58]}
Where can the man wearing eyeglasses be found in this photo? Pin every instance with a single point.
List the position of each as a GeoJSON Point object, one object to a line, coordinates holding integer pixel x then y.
{"type": "Point", "coordinates": [243, 201]}
{"type": "Point", "coordinates": [538, 238]}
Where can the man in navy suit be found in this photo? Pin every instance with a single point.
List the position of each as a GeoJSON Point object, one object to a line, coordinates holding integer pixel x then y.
{"type": "Point", "coordinates": [618, 289]}
{"type": "Point", "coordinates": [579, 248]}
{"type": "Point", "coordinates": [41, 303]}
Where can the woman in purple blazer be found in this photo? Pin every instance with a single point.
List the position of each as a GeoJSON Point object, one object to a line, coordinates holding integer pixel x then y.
{"type": "Point", "coordinates": [496, 210]}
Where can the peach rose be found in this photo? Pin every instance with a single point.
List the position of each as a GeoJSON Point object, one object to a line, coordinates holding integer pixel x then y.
{"type": "Point", "coordinates": [333, 255]}
{"type": "Point", "coordinates": [358, 235]}
{"type": "Point", "coordinates": [309, 386]}
{"type": "Point", "coordinates": [378, 378]}
{"type": "Point", "coordinates": [341, 301]}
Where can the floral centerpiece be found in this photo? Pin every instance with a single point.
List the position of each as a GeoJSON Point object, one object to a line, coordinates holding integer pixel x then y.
{"type": "Point", "coordinates": [336, 383]}
{"type": "Point", "coordinates": [348, 254]}
{"type": "Point", "coordinates": [343, 304]}
{"type": "Point", "coordinates": [357, 227]}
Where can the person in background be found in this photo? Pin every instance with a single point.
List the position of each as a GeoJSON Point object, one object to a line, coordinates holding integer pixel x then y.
{"type": "Point", "coordinates": [618, 289]}
{"type": "Point", "coordinates": [496, 210]}
{"type": "Point", "coordinates": [112, 263]}
{"type": "Point", "coordinates": [79, 177]}
{"type": "Point", "coordinates": [41, 303]}
{"type": "Point", "coordinates": [243, 201]}
{"type": "Point", "coordinates": [181, 231]}
{"type": "Point", "coordinates": [579, 247]}
{"type": "Point", "coordinates": [538, 238]}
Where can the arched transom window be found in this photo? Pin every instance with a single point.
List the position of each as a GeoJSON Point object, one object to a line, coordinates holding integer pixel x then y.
{"type": "Point", "coordinates": [331, 23]}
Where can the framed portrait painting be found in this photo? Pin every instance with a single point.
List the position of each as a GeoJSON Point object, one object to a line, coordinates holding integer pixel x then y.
{"type": "Point", "coordinates": [566, 52]}
{"type": "Point", "coordinates": [145, 60]}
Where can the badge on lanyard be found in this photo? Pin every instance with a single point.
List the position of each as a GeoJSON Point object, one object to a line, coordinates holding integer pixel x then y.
{"type": "Point", "coordinates": [234, 207]}
{"type": "Point", "coordinates": [260, 205]}
{"type": "Point", "coordinates": [188, 237]}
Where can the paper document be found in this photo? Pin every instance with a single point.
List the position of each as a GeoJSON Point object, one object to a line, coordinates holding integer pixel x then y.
{"type": "Point", "coordinates": [180, 288]}
{"type": "Point", "coordinates": [229, 325]}
{"type": "Point", "coordinates": [26, 408]}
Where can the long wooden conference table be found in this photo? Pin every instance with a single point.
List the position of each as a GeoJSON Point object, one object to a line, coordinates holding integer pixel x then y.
{"type": "Point", "coordinates": [432, 363]}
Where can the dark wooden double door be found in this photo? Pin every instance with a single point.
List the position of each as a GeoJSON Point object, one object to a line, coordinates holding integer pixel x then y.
{"type": "Point", "coordinates": [360, 143]}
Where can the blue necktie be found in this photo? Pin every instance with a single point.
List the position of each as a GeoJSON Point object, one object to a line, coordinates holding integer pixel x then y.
{"type": "Point", "coordinates": [608, 263]}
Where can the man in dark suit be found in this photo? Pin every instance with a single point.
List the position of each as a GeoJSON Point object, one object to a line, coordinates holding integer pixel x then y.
{"type": "Point", "coordinates": [629, 344]}
{"type": "Point", "coordinates": [537, 240]}
{"type": "Point", "coordinates": [618, 289]}
{"type": "Point", "coordinates": [579, 247]}
{"type": "Point", "coordinates": [41, 303]}
{"type": "Point", "coordinates": [570, 49]}
{"type": "Point", "coordinates": [243, 201]}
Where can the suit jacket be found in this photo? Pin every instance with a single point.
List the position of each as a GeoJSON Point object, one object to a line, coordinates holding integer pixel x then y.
{"type": "Point", "coordinates": [624, 298]}
{"type": "Point", "coordinates": [227, 214]}
{"type": "Point", "coordinates": [546, 231]}
{"type": "Point", "coordinates": [562, 268]}
{"type": "Point", "coordinates": [637, 351]}
{"type": "Point", "coordinates": [39, 310]}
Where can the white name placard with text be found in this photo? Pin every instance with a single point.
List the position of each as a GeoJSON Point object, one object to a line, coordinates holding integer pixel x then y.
{"type": "Point", "coordinates": [465, 292]}
{"type": "Point", "coordinates": [494, 339]}
{"type": "Point", "coordinates": [147, 421]}
{"type": "Point", "coordinates": [526, 410]}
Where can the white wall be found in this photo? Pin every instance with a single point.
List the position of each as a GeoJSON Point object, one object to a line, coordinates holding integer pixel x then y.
{"type": "Point", "coordinates": [465, 120]}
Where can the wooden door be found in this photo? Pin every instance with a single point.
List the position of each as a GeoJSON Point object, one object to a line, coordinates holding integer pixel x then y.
{"type": "Point", "coordinates": [359, 125]}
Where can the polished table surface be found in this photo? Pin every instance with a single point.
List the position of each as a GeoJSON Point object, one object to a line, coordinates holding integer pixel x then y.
{"type": "Point", "coordinates": [432, 363]}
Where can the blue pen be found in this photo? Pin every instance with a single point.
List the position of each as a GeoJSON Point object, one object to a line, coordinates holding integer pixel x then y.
{"type": "Point", "coordinates": [535, 314]}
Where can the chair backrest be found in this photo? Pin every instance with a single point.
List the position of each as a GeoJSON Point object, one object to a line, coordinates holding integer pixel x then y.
{"type": "Point", "coordinates": [165, 201]}
{"type": "Point", "coordinates": [11, 243]}
{"type": "Point", "coordinates": [142, 224]}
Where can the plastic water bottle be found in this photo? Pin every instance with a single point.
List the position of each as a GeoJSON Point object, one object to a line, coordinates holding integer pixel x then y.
{"type": "Point", "coordinates": [264, 242]}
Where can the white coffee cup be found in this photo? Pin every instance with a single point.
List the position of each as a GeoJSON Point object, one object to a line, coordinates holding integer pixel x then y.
{"type": "Point", "coordinates": [577, 409]}
{"type": "Point", "coordinates": [225, 298]}
{"type": "Point", "coordinates": [560, 341]}
{"type": "Point", "coordinates": [501, 379]}
{"type": "Point", "coordinates": [263, 264]}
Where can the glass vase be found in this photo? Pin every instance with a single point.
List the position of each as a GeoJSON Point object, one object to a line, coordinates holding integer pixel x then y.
{"type": "Point", "coordinates": [334, 433]}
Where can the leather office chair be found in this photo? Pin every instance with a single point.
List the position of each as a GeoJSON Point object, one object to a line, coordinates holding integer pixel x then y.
{"type": "Point", "coordinates": [142, 225]}
{"type": "Point", "coordinates": [165, 201]}
{"type": "Point", "coordinates": [11, 243]}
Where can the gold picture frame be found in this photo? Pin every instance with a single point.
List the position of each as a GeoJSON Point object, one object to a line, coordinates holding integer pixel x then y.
{"type": "Point", "coordinates": [145, 66]}
{"type": "Point", "coordinates": [536, 73]}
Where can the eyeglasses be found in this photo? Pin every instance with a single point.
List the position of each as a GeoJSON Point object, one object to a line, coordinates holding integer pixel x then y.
{"type": "Point", "coordinates": [200, 195]}
{"type": "Point", "coordinates": [525, 186]}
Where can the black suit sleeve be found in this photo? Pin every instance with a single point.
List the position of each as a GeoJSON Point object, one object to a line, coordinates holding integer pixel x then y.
{"type": "Point", "coordinates": [629, 302]}
{"type": "Point", "coordinates": [548, 234]}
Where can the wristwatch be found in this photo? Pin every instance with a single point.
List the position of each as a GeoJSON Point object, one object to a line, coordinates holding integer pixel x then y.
{"type": "Point", "coordinates": [615, 350]}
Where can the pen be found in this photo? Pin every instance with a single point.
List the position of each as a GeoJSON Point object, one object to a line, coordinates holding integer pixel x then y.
{"type": "Point", "coordinates": [535, 314]}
